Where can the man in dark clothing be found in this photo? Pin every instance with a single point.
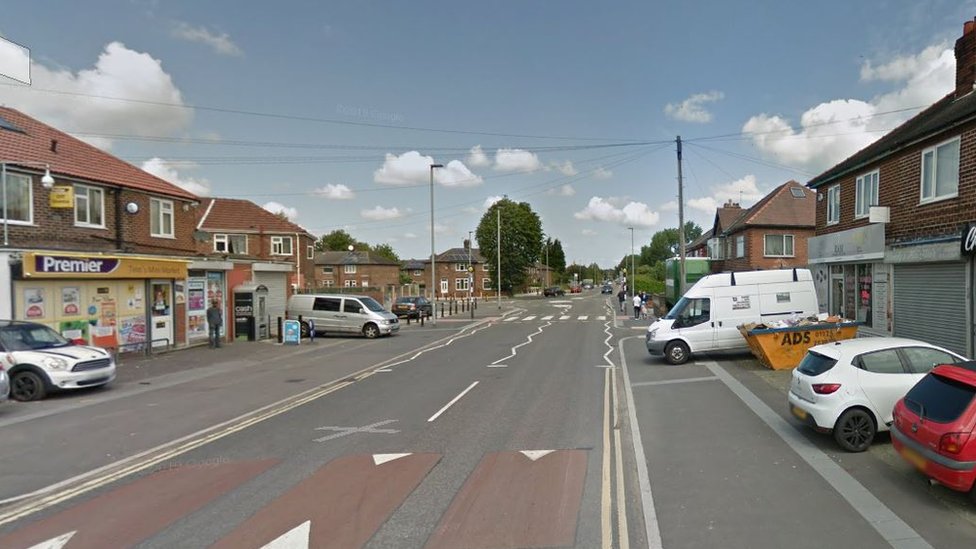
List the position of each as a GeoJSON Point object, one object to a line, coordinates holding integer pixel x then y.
{"type": "Point", "coordinates": [214, 321]}
{"type": "Point", "coordinates": [621, 296]}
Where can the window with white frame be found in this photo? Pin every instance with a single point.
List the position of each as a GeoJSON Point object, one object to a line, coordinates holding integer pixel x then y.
{"type": "Point", "coordinates": [364, 283]}
{"type": "Point", "coordinates": [328, 283]}
{"type": "Point", "coordinates": [866, 194]}
{"type": "Point", "coordinates": [20, 200]}
{"type": "Point", "coordinates": [89, 206]}
{"type": "Point", "coordinates": [778, 245]}
{"type": "Point", "coordinates": [310, 252]}
{"type": "Point", "coordinates": [161, 218]}
{"type": "Point", "coordinates": [940, 171]}
{"type": "Point", "coordinates": [740, 246]}
{"type": "Point", "coordinates": [460, 267]}
{"type": "Point", "coordinates": [418, 272]}
{"type": "Point", "coordinates": [443, 285]}
{"type": "Point", "coordinates": [833, 205]}
{"type": "Point", "coordinates": [485, 284]}
{"type": "Point", "coordinates": [281, 245]}
{"type": "Point", "coordinates": [728, 248]}
{"type": "Point", "coordinates": [230, 244]}
{"type": "Point", "coordinates": [349, 269]}
{"type": "Point", "coordinates": [350, 284]}
{"type": "Point", "coordinates": [461, 284]}
{"type": "Point", "coordinates": [328, 270]}
{"type": "Point", "coordinates": [484, 266]}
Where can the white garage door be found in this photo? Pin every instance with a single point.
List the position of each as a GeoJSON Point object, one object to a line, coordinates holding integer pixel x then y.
{"type": "Point", "coordinates": [277, 284]}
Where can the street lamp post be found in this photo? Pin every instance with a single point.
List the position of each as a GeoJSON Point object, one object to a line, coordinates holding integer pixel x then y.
{"type": "Point", "coordinates": [433, 257]}
{"type": "Point", "coordinates": [470, 270]}
{"type": "Point", "coordinates": [46, 180]}
{"type": "Point", "coordinates": [633, 273]}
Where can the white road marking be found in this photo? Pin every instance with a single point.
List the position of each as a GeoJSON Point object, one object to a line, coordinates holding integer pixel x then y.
{"type": "Point", "coordinates": [564, 317]}
{"type": "Point", "coordinates": [672, 381]}
{"type": "Point", "coordinates": [511, 318]}
{"type": "Point", "coordinates": [524, 343]}
{"type": "Point", "coordinates": [559, 301]}
{"type": "Point", "coordinates": [530, 317]}
{"type": "Point", "coordinates": [382, 370]}
{"type": "Point", "coordinates": [601, 317]}
{"type": "Point", "coordinates": [895, 531]}
{"type": "Point", "coordinates": [296, 538]}
{"type": "Point", "coordinates": [547, 317]}
{"type": "Point", "coordinates": [604, 366]}
{"type": "Point", "coordinates": [605, 508]}
{"type": "Point", "coordinates": [380, 459]}
{"type": "Point", "coordinates": [534, 455]}
{"type": "Point", "coordinates": [498, 365]}
{"type": "Point", "coordinates": [582, 317]}
{"type": "Point", "coordinates": [55, 543]}
{"type": "Point", "coordinates": [651, 526]}
{"type": "Point", "coordinates": [622, 530]}
{"type": "Point", "coordinates": [345, 431]}
{"type": "Point", "coordinates": [451, 403]}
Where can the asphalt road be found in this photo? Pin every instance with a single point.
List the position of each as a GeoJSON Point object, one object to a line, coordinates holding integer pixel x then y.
{"type": "Point", "coordinates": [526, 427]}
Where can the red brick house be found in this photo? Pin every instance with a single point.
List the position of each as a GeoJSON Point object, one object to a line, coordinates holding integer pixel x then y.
{"type": "Point", "coordinates": [92, 246]}
{"type": "Point", "coordinates": [772, 234]}
{"type": "Point", "coordinates": [893, 246]}
{"type": "Point", "coordinates": [452, 270]}
{"type": "Point", "coordinates": [699, 246]}
{"type": "Point", "coordinates": [253, 247]}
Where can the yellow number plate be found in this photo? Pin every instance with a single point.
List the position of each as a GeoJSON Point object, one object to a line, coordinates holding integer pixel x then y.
{"type": "Point", "coordinates": [800, 413]}
{"type": "Point", "coordinates": [913, 457]}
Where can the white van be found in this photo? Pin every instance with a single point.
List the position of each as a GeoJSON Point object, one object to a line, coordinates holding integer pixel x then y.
{"type": "Point", "coordinates": [707, 317]}
{"type": "Point", "coordinates": [338, 313]}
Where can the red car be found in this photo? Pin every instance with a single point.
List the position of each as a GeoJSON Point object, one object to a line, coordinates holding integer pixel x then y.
{"type": "Point", "coordinates": [934, 426]}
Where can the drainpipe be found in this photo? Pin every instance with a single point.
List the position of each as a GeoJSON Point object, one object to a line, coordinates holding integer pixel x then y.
{"type": "Point", "coordinates": [118, 219]}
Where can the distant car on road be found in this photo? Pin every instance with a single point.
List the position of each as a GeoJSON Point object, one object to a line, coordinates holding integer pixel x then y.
{"type": "Point", "coordinates": [413, 307]}
{"type": "Point", "coordinates": [576, 290]}
{"type": "Point", "coordinates": [41, 360]}
{"type": "Point", "coordinates": [607, 289]}
{"type": "Point", "coordinates": [850, 387]}
{"type": "Point", "coordinates": [553, 291]}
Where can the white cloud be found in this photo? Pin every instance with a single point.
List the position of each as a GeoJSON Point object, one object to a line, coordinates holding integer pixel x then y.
{"type": "Point", "coordinates": [220, 42]}
{"type": "Point", "coordinates": [693, 108]}
{"type": "Point", "coordinates": [566, 168]}
{"type": "Point", "coordinates": [440, 228]}
{"type": "Point", "coordinates": [833, 130]}
{"type": "Point", "coordinates": [670, 206]}
{"type": "Point", "coordinates": [602, 173]}
{"type": "Point", "coordinates": [744, 191]}
{"type": "Point", "coordinates": [633, 213]}
{"type": "Point", "coordinates": [165, 170]}
{"type": "Point", "coordinates": [118, 73]}
{"type": "Point", "coordinates": [490, 201]}
{"type": "Point", "coordinates": [564, 190]}
{"type": "Point", "coordinates": [379, 213]}
{"type": "Point", "coordinates": [470, 210]}
{"type": "Point", "coordinates": [413, 167]}
{"type": "Point", "coordinates": [477, 158]}
{"type": "Point", "coordinates": [277, 207]}
{"type": "Point", "coordinates": [516, 160]}
{"type": "Point", "coordinates": [409, 235]}
{"type": "Point", "coordinates": [335, 192]}
{"type": "Point", "coordinates": [588, 232]}
{"type": "Point", "coordinates": [14, 61]}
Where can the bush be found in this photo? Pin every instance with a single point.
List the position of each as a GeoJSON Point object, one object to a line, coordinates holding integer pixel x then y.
{"type": "Point", "coordinates": [644, 283]}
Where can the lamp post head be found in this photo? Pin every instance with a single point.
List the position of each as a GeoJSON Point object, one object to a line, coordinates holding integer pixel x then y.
{"type": "Point", "coordinates": [47, 181]}
{"type": "Point", "coordinates": [351, 247]}
{"type": "Point", "coordinates": [432, 166]}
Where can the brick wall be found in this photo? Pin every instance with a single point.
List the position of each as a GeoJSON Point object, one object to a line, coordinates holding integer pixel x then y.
{"type": "Point", "coordinates": [378, 276]}
{"type": "Point", "coordinates": [899, 188]}
{"type": "Point", "coordinates": [755, 258]}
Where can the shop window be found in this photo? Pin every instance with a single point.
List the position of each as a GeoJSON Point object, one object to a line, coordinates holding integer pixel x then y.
{"type": "Point", "coordinates": [852, 292]}
{"type": "Point", "coordinates": [161, 218]}
{"type": "Point", "coordinates": [833, 205]}
{"type": "Point", "coordinates": [778, 245]}
{"type": "Point", "coordinates": [866, 194]}
{"type": "Point", "coordinates": [864, 293]}
{"type": "Point", "coordinates": [281, 245]}
{"type": "Point", "coordinates": [230, 244]}
{"type": "Point", "coordinates": [19, 207]}
{"type": "Point", "coordinates": [940, 171]}
{"type": "Point", "coordinates": [89, 206]}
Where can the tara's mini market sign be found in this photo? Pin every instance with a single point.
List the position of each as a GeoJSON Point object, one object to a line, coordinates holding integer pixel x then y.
{"type": "Point", "coordinates": [43, 265]}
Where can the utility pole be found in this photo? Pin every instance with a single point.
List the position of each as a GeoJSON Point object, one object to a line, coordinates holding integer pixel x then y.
{"type": "Point", "coordinates": [433, 254]}
{"type": "Point", "coordinates": [681, 223]}
{"type": "Point", "coordinates": [633, 272]}
{"type": "Point", "coordinates": [498, 255]}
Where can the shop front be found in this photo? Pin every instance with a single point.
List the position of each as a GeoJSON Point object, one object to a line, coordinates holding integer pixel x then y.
{"type": "Point", "coordinates": [851, 277]}
{"type": "Point", "coordinates": [206, 282]}
{"type": "Point", "coordinates": [110, 301]}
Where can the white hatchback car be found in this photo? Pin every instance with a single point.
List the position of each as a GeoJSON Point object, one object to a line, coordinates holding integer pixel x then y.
{"type": "Point", "coordinates": [38, 360]}
{"type": "Point", "coordinates": [850, 387]}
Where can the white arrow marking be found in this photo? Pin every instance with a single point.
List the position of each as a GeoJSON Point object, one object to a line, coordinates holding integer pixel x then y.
{"type": "Point", "coordinates": [536, 454]}
{"type": "Point", "coordinates": [380, 459]}
{"type": "Point", "coordinates": [296, 538]}
{"type": "Point", "coordinates": [55, 543]}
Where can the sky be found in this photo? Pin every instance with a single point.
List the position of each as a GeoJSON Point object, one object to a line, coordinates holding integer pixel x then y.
{"type": "Point", "coordinates": [332, 112]}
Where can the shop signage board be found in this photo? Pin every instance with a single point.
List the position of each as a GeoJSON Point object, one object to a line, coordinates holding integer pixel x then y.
{"type": "Point", "coordinates": [42, 265]}
{"type": "Point", "coordinates": [968, 242]}
{"type": "Point", "coordinates": [292, 332]}
{"type": "Point", "coordinates": [859, 244]}
{"type": "Point", "coordinates": [62, 196]}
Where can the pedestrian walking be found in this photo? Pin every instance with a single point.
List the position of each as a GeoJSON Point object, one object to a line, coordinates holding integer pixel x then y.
{"type": "Point", "coordinates": [622, 296]}
{"type": "Point", "coordinates": [215, 319]}
{"type": "Point", "coordinates": [638, 302]}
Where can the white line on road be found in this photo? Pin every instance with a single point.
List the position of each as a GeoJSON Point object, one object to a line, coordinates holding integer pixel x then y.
{"type": "Point", "coordinates": [582, 317]}
{"type": "Point", "coordinates": [605, 508]}
{"type": "Point", "coordinates": [382, 371]}
{"type": "Point", "coordinates": [672, 381]}
{"type": "Point", "coordinates": [451, 403]}
{"type": "Point", "coordinates": [524, 343]}
{"type": "Point", "coordinates": [498, 365]}
{"type": "Point", "coordinates": [530, 317]}
{"type": "Point", "coordinates": [622, 530]}
{"type": "Point", "coordinates": [511, 318]}
{"type": "Point", "coordinates": [564, 317]}
{"type": "Point", "coordinates": [547, 317]}
{"type": "Point", "coordinates": [895, 531]}
{"type": "Point", "coordinates": [601, 317]}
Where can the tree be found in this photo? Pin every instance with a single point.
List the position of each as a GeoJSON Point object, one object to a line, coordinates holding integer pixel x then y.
{"type": "Point", "coordinates": [339, 241]}
{"type": "Point", "coordinates": [664, 243]}
{"type": "Point", "coordinates": [521, 241]}
{"type": "Point", "coordinates": [557, 257]}
{"type": "Point", "coordinates": [385, 250]}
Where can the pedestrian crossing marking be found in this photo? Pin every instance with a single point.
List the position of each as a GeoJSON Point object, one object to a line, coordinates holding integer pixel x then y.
{"type": "Point", "coordinates": [601, 318]}
{"type": "Point", "coordinates": [583, 317]}
{"type": "Point", "coordinates": [511, 318]}
{"type": "Point", "coordinates": [530, 317]}
{"type": "Point", "coordinates": [564, 317]}
{"type": "Point", "coordinates": [547, 317]}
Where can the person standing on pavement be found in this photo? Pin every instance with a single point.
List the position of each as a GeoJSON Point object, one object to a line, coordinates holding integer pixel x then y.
{"type": "Point", "coordinates": [215, 319]}
{"type": "Point", "coordinates": [637, 306]}
{"type": "Point", "coordinates": [622, 296]}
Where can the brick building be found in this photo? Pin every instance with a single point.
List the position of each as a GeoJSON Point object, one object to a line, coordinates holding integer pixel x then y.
{"type": "Point", "coordinates": [365, 270]}
{"type": "Point", "coordinates": [699, 246]}
{"type": "Point", "coordinates": [912, 275]}
{"type": "Point", "coordinates": [92, 246]}
{"type": "Point", "coordinates": [452, 271]}
{"type": "Point", "coordinates": [772, 234]}
{"type": "Point", "coordinates": [241, 243]}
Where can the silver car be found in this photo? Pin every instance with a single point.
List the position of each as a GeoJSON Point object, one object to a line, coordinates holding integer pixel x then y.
{"type": "Point", "coordinates": [337, 313]}
{"type": "Point", "coordinates": [4, 385]}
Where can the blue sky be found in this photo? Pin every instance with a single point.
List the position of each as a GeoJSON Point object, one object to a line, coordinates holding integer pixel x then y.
{"type": "Point", "coordinates": [317, 108]}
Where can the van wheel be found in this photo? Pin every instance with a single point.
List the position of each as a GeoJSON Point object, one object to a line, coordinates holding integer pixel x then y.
{"type": "Point", "coordinates": [371, 331]}
{"type": "Point", "coordinates": [26, 386]}
{"type": "Point", "coordinates": [676, 352]}
{"type": "Point", "coordinates": [304, 329]}
{"type": "Point", "coordinates": [854, 430]}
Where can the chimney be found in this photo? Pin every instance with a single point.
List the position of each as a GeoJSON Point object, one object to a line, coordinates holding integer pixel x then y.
{"type": "Point", "coordinates": [966, 59]}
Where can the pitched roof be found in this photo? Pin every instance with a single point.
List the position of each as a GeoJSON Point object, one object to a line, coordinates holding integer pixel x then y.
{"type": "Point", "coordinates": [726, 216]}
{"type": "Point", "coordinates": [237, 215]}
{"type": "Point", "coordinates": [780, 208]}
{"type": "Point", "coordinates": [352, 258]}
{"type": "Point", "coordinates": [460, 255]}
{"type": "Point", "coordinates": [700, 241]}
{"type": "Point", "coordinates": [413, 264]}
{"type": "Point", "coordinates": [943, 115]}
{"type": "Point", "coordinates": [25, 141]}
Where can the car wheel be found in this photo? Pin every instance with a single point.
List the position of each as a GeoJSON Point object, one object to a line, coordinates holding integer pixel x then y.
{"type": "Point", "coordinates": [676, 352]}
{"type": "Point", "coordinates": [26, 386]}
{"type": "Point", "coordinates": [854, 430]}
{"type": "Point", "coordinates": [304, 329]}
{"type": "Point", "coordinates": [371, 331]}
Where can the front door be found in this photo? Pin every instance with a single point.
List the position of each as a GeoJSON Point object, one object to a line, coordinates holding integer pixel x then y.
{"type": "Point", "coordinates": [837, 294]}
{"type": "Point", "coordinates": [161, 312]}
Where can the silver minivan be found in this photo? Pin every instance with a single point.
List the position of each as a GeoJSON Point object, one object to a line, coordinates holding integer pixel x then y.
{"type": "Point", "coordinates": [337, 313]}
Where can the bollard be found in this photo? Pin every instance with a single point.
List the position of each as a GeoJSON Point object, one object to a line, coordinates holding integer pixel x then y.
{"type": "Point", "coordinates": [471, 308]}
{"type": "Point", "coordinates": [408, 319]}
{"type": "Point", "coordinates": [476, 303]}
{"type": "Point", "coordinates": [300, 323]}
{"type": "Point", "coordinates": [421, 320]}
{"type": "Point", "coordinates": [280, 327]}
{"type": "Point", "coordinates": [464, 305]}
{"type": "Point", "coordinates": [442, 309]}
{"type": "Point", "coordinates": [454, 303]}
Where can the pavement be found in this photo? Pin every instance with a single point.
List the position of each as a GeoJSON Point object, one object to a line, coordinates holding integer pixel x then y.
{"type": "Point", "coordinates": [545, 424]}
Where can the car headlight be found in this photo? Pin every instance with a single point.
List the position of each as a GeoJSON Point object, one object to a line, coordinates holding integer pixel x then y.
{"type": "Point", "coordinates": [651, 333]}
{"type": "Point", "coordinates": [54, 363]}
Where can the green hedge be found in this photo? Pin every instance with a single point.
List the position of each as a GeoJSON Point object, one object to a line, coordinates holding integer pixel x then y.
{"type": "Point", "coordinates": [644, 283]}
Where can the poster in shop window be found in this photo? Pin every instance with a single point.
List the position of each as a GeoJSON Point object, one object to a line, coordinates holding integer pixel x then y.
{"type": "Point", "coordinates": [33, 303]}
{"type": "Point", "coordinates": [71, 301]}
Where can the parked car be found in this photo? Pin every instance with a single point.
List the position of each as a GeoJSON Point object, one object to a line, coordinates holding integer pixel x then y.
{"type": "Point", "coordinates": [413, 307]}
{"type": "Point", "coordinates": [606, 289]}
{"type": "Point", "coordinates": [576, 289]}
{"type": "Point", "coordinates": [344, 314]}
{"type": "Point", "coordinates": [4, 385]}
{"type": "Point", "coordinates": [41, 360]}
{"type": "Point", "coordinates": [850, 387]}
{"type": "Point", "coordinates": [934, 426]}
{"type": "Point", "coordinates": [553, 291]}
